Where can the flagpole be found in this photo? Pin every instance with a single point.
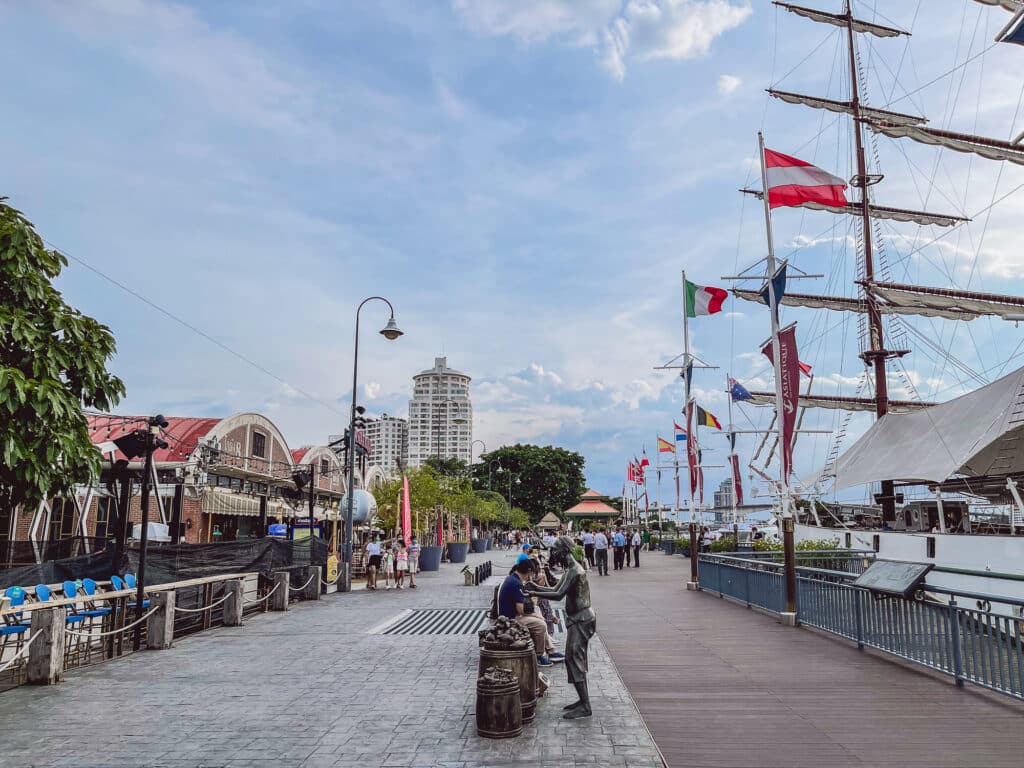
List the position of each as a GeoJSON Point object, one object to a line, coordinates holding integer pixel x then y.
{"type": "Point", "coordinates": [686, 404]}
{"type": "Point", "coordinates": [773, 308]}
{"type": "Point", "coordinates": [732, 444]}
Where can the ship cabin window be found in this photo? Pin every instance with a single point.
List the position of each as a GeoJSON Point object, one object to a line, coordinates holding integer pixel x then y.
{"type": "Point", "coordinates": [876, 542]}
{"type": "Point", "coordinates": [930, 546]}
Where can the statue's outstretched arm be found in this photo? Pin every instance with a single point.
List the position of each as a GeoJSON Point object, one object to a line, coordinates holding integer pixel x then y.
{"type": "Point", "coordinates": [557, 592]}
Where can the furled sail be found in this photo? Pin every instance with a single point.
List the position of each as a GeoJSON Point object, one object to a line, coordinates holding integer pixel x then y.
{"type": "Point", "coordinates": [993, 149]}
{"type": "Point", "coordinates": [840, 403]}
{"type": "Point", "coordinates": [1010, 5]}
{"type": "Point", "coordinates": [840, 20]}
{"type": "Point", "coordinates": [901, 299]}
{"type": "Point", "coordinates": [880, 212]}
{"type": "Point", "coordinates": [832, 105]}
{"type": "Point", "coordinates": [945, 302]}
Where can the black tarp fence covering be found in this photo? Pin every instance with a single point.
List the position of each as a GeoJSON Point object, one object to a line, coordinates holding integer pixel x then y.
{"type": "Point", "coordinates": [166, 563]}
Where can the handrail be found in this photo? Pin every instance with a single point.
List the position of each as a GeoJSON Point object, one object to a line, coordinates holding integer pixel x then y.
{"type": "Point", "coordinates": [139, 620]}
{"type": "Point", "coordinates": [102, 596]}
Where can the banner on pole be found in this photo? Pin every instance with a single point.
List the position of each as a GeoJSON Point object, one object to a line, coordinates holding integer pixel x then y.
{"type": "Point", "coordinates": [691, 447]}
{"type": "Point", "coordinates": [737, 482]}
{"type": "Point", "coordinates": [789, 383]}
{"type": "Point", "coordinates": [406, 512]}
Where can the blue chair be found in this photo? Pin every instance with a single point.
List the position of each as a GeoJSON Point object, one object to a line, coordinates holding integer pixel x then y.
{"type": "Point", "coordinates": [129, 580]}
{"type": "Point", "coordinates": [43, 595]}
{"type": "Point", "coordinates": [12, 626]}
{"type": "Point", "coordinates": [71, 589]}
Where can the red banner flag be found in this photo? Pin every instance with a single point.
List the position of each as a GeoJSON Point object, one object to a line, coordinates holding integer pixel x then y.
{"type": "Point", "coordinates": [406, 512]}
{"type": "Point", "coordinates": [737, 483]}
{"type": "Point", "coordinates": [789, 366]}
{"type": "Point", "coordinates": [691, 447]}
{"type": "Point", "coordinates": [794, 182]}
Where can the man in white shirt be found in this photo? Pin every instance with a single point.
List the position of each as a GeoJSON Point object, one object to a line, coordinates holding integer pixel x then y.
{"type": "Point", "coordinates": [549, 539]}
{"type": "Point", "coordinates": [588, 547]}
{"type": "Point", "coordinates": [601, 552]}
{"type": "Point", "coordinates": [373, 562]}
{"type": "Point", "coordinates": [636, 542]}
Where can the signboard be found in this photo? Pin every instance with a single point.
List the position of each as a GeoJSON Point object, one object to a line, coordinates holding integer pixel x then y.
{"type": "Point", "coordinates": [332, 568]}
{"type": "Point", "coordinates": [363, 443]}
{"type": "Point", "coordinates": [892, 577]}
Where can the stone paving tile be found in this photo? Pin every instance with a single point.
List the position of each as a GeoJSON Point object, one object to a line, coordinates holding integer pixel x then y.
{"type": "Point", "coordinates": [310, 688]}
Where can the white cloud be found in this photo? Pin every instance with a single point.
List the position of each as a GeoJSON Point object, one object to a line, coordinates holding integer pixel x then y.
{"type": "Point", "coordinates": [728, 84]}
{"type": "Point", "coordinates": [372, 390]}
{"type": "Point", "coordinates": [644, 29]}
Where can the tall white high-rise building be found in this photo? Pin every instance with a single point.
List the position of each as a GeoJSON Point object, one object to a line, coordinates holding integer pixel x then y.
{"type": "Point", "coordinates": [389, 436]}
{"type": "Point", "coordinates": [440, 415]}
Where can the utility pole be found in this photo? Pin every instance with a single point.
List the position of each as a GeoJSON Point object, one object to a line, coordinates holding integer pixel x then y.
{"type": "Point", "coordinates": [152, 442]}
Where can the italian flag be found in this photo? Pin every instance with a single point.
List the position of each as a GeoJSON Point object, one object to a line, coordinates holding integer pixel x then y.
{"type": "Point", "coordinates": [703, 300]}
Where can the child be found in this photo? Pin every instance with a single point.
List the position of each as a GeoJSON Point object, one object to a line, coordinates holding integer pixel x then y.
{"type": "Point", "coordinates": [414, 561]}
{"type": "Point", "coordinates": [402, 565]}
{"type": "Point", "coordinates": [388, 566]}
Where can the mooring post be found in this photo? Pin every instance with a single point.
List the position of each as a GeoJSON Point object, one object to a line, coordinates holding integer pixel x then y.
{"type": "Point", "coordinates": [46, 655]}
{"type": "Point", "coordinates": [312, 590]}
{"type": "Point", "coordinates": [160, 624]}
{"type": "Point", "coordinates": [235, 590]}
{"type": "Point", "coordinates": [279, 599]}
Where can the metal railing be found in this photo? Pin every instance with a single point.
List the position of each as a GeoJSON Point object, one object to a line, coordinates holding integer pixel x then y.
{"type": "Point", "coordinates": [969, 644]}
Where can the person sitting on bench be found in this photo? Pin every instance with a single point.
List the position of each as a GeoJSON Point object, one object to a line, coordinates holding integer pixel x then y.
{"type": "Point", "coordinates": [513, 604]}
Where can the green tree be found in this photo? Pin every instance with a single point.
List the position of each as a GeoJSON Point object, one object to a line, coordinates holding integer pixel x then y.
{"type": "Point", "coordinates": [550, 479]}
{"type": "Point", "coordinates": [52, 365]}
{"type": "Point", "coordinates": [449, 466]}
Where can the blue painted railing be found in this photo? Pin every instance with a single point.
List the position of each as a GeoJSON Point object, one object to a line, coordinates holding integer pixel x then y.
{"type": "Point", "coordinates": [969, 644]}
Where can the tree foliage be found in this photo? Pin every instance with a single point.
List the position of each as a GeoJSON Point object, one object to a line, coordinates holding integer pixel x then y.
{"type": "Point", "coordinates": [550, 479]}
{"type": "Point", "coordinates": [53, 363]}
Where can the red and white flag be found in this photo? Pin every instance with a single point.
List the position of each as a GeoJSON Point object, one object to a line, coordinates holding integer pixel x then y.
{"type": "Point", "coordinates": [793, 182]}
{"type": "Point", "coordinates": [789, 368]}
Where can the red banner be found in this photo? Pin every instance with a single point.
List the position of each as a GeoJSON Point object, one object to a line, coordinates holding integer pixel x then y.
{"type": "Point", "coordinates": [737, 483]}
{"type": "Point", "coordinates": [691, 447]}
{"type": "Point", "coordinates": [406, 512]}
{"type": "Point", "coordinates": [789, 381]}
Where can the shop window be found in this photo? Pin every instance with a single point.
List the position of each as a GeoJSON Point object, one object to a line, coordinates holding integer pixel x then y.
{"type": "Point", "coordinates": [105, 511]}
{"type": "Point", "coordinates": [259, 445]}
{"type": "Point", "coordinates": [62, 520]}
{"type": "Point", "coordinates": [6, 524]}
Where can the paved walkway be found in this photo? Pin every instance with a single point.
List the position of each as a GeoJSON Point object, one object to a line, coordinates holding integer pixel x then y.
{"type": "Point", "coordinates": [720, 685]}
{"type": "Point", "coordinates": [313, 688]}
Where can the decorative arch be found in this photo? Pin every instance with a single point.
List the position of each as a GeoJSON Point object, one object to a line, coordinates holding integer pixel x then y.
{"type": "Point", "coordinates": [375, 477]}
{"type": "Point", "coordinates": [226, 426]}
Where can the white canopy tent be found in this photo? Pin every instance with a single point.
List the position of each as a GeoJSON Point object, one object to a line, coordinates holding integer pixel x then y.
{"type": "Point", "coordinates": [977, 434]}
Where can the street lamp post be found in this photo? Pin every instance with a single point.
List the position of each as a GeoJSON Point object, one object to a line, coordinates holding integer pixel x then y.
{"type": "Point", "coordinates": [390, 332]}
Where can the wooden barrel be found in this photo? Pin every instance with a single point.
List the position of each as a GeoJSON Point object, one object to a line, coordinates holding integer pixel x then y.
{"type": "Point", "coordinates": [523, 664]}
{"type": "Point", "coordinates": [499, 712]}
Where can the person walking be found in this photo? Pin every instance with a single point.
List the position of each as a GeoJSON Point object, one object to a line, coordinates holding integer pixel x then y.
{"type": "Point", "coordinates": [619, 544]}
{"type": "Point", "coordinates": [387, 566]}
{"type": "Point", "coordinates": [636, 542]}
{"type": "Point", "coordinates": [601, 553]}
{"type": "Point", "coordinates": [414, 561]}
{"type": "Point", "coordinates": [588, 547]}
{"type": "Point", "coordinates": [373, 562]}
{"type": "Point", "coordinates": [401, 565]}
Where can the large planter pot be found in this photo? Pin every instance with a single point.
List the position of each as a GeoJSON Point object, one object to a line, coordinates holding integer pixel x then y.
{"type": "Point", "coordinates": [479, 546]}
{"type": "Point", "coordinates": [457, 551]}
{"type": "Point", "coordinates": [430, 558]}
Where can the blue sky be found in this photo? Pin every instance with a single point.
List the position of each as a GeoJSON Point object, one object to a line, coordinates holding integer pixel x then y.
{"type": "Point", "coordinates": [524, 180]}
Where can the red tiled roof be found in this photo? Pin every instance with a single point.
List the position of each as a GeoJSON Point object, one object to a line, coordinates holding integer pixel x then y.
{"type": "Point", "coordinates": [591, 505]}
{"type": "Point", "coordinates": [182, 434]}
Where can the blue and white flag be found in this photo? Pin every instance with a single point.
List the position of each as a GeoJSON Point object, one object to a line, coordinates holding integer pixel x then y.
{"type": "Point", "coordinates": [738, 392]}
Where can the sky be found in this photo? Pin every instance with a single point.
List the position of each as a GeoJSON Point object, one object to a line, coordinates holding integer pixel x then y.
{"type": "Point", "coordinates": [525, 180]}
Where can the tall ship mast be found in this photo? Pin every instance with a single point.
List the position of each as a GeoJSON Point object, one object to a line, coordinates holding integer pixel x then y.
{"type": "Point", "coordinates": [913, 442]}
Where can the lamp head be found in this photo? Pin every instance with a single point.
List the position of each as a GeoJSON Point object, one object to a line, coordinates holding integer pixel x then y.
{"type": "Point", "coordinates": [391, 331]}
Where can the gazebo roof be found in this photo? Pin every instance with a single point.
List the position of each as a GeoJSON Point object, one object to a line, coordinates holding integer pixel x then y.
{"type": "Point", "coordinates": [592, 505]}
{"type": "Point", "coordinates": [550, 520]}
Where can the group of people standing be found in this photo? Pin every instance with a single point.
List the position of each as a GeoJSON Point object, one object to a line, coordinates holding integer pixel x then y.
{"type": "Point", "coordinates": [622, 541]}
{"type": "Point", "coordinates": [392, 559]}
